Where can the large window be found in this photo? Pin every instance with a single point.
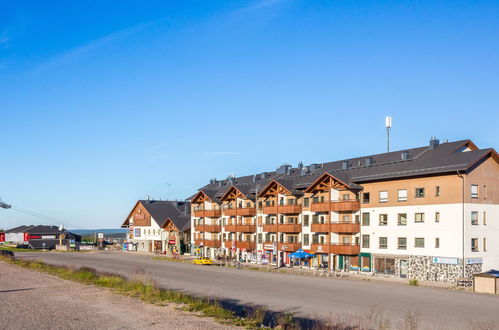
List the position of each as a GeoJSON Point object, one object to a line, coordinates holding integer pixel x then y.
{"type": "Point", "coordinates": [474, 217]}
{"type": "Point", "coordinates": [365, 241]}
{"type": "Point", "coordinates": [383, 196]}
{"type": "Point", "coordinates": [474, 245]}
{"type": "Point", "coordinates": [419, 217]}
{"type": "Point", "coordinates": [383, 219]}
{"type": "Point", "coordinates": [419, 192]}
{"type": "Point", "coordinates": [402, 219]}
{"type": "Point", "coordinates": [365, 219]}
{"type": "Point", "coordinates": [402, 243]}
{"type": "Point", "coordinates": [419, 242]}
{"type": "Point", "coordinates": [474, 191]}
{"type": "Point", "coordinates": [306, 220]}
{"type": "Point", "coordinates": [383, 242]}
{"type": "Point", "coordinates": [402, 195]}
{"type": "Point", "coordinates": [306, 239]}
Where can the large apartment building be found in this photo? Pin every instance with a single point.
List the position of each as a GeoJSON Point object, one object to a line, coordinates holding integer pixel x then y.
{"type": "Point", "coordinates": [429, 213]}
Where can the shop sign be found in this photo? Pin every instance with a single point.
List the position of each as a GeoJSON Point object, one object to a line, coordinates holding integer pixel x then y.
{"type": "Point", "coordinates": [137, 232]}
{"type": "Point", "coordinates": [172, 241]}
{"type": "Point", "coordinates": [447, 261]}
{"type": "Point", "coordinates": [320, 248]}
{"type": "Point", "coordinates": [473, 261]}
{"type": "Point", "coordinates": [268, 246]}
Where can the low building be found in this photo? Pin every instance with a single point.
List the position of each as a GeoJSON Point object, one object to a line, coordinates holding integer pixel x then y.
{"type": "Point", "coordinates": [41, 237]}
{"type": "Point", "coordinates": [159, 226]}
{"type": "Point", "coordinates": [487, 282]}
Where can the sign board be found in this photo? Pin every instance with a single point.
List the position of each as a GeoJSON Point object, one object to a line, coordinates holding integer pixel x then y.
{"type": "Point", "coordinates": [131, 233]}
{"type": "Point", "coordinates": [100, 235]}
{"type": "Point", "coordinates": [268, 246]}
{"type": "Point", "coordinates": [136, 232]}
{"type": "Point", "coordinates": [472, 261]}
{"type": "Point", "coordinates": [446, 261]}
{"type": "Point", "coordinates": [172, 241]}
{"type": "Point", "coordinates": [275, 247]}
{"type": "Point", "coordinates": [48, 236]}
{"type": "Point", "coordinates": [72, 243]}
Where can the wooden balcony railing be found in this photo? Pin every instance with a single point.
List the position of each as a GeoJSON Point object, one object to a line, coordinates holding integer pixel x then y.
{"type": "Point", "coordinates": [320, 227]}
{"type": "Point", "coordinates": [336, 206]}
{"type": "Point", "coordinates": [346, 249]}
{"type": "Point", "coordinates": [320, 248]}
{"type": "Point", "coordinates": [247, 245]}
{"type": "Point", "coordinates": [282, 209]}
{"type": "Point", "coordinates": [208, 228]}
{"type": "Point", "coordinates": [243, 228]}
{"type": "Point", "coordinates": [336, 227]}
{"type": "Point", "coordinates": [289, 247]}
{"type": "Point", "coordinates": [243, 211]}
{"type": "Point", "coordinates": [270, 228]}
{"type": "Point", "coordinates": [203, 213]}
{"type": "Point", "coordinates": [283, 228]}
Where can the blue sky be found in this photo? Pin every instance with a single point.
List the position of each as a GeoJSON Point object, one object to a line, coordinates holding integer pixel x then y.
{"type": "Point", "coordinates": [103, 103]}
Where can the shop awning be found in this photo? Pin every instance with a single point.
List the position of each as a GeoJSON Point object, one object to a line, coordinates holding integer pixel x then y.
{"type": "Point", "coordinates": [300, 254]}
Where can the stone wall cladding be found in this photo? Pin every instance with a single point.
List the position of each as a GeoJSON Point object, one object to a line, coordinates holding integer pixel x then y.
{"type": "Point", "coordinates": [421, 268]}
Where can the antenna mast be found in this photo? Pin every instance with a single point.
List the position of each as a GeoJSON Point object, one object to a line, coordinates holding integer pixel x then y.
{"type": "Point", "coordinates": [388, 125]}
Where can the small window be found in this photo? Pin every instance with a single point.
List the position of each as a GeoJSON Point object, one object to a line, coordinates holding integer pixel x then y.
{"type": "Point", "coordinates": [346, 197]}
{"type": "Point", "coordinates": [345, 218]}
{"type": "Point", "coordinates": [260, 238]}
{"type": "Point", "coordinates": [383, 219]}
{"type": "Point", "coordinates": [474, 191]}
{"type": "Point", "coordinates": [437, 191]}
{"type": "Point", "coordinates": [383, 196]}
{"type": "Point", "coordinates": [306, 220]}
{"type": "Point", "coordinates": [402, 195]}
{"type": "Point", "coordinates": [402, 243]}
{"type": "Point", "coordinates": [474, 218]}
{"type": "Point", "coordinates": [306, 239]}
{"type": "Point", "coordinates": [419, 193]}
{"type": "Point", "coordinates": [306, 202]}
{"type": "Point", "coordinates": [485, 191]}
{"type": "Point", "coordinates": [366, 198]}
{"type": "Point", "coordinates": [474, 245]}
{"type": "Point", "coordinates": [484, 218]}
{"type": "Point", "coordinates": [365, 241]}
{"type": "Point", "coordinates": [365, 219]}
{"type": "Point", "coordinates": [402, 219]}
{"type": "Point", "coordinates": [437, 216]}
{"type": "Point", "coordinates": [383, 242]}
{"type": "Point", "coordinates": [437, 243]}
{"type": "Point", "coordinates": [419, 217]}
{"type": "Point", "coordinates": [485, 244]}
{"type": "Point", "coordinates": [419, 242]}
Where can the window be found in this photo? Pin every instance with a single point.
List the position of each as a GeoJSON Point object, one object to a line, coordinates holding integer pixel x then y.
{"type": "Point", "coordinates": [365, 241]}
{"type": "Point", "coordinates": [474, 245]}
{"type": "Point", "coordinates": [402, 243]}
{"type": "Point", "coordinates": [366, 197]}
{"type": "Point", "coordinates": [383, 242]}
{"type": "Point", "coordinates": [419, 192]}
{"type": "Point", "coordinates": [484, 217]}
{"type": "Point", "coordinates": [383, 196]}
{"type": "Point", "coordinates": [474, 191]}
{"type": "Point", "coordinates": [306, 239]}
{"type": "Point", "coordinates": [345, 218]}
{"type": "Point", "coordinates": [260, 238]}
{"type": "Point", "coordinates": [346, 197]}
{"type": "Point", "coordinates": [485, 191]}
{"type": "Point", "coordinates": [402, 195]}
{"type": "Point", "coordinates": [315, 200]}
{"type": "Point", "coordinates": [437, 243]}
{"type": "Point", "coordinates": [484, 244]}
{"type": "Point", "coordinates": [365, 219]}
{"type": "Point", "coordinates": [402, 219]}
{"type": "Point", "coordinates": [419, 242]}
{"type": "Point", "coordinates": [306, 202]}
{"type": "Point", "coordinates": [437, 216]}
{"type": "Point", "coordinates": [419, 217]}
{"type": "Point", "coordinates": [383, 219]}
{"type": "Point", "coordinates": [474, 217]}
{"type": "Point", "coordinates": [315, 219]}
{"type": "Point", "coordinates": [306, 220]}
{"type": "Point", "coordinates": [437, 191]}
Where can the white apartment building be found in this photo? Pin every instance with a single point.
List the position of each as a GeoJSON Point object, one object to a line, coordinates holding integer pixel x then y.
{"type": "Point", "coordinates": [429, 213]}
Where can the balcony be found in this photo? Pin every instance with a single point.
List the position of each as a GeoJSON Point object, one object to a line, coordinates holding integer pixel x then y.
{"type": "Point", "coordinates": [289, 247]}
{"type": "Point", "coordinates": [246, 228]}
{"type": "Point", "coordinates": [213, 228]}
{"type": "Point", "coordinates": [282, 209]}
{"type": "Point", "coordinates": [336, 206]}
{"type": "Point", "coordinates": [207, 243]}
{"type": "Point", "coordinates": [320, 228]}
{"type": "Point", "coordinates": [289, 228]}
{"type": "Point", "coordinates": [246, 245]}
{"type": "Point", "coordinates": [230, 227]}
{"type": "Point", "coordinates": [198, 227]}
{"type": "Point", "coordinates": [346, 249]}
{"type": "Point", "coordinates": [203, 213]}
{"type": "Point", "coordinates": [320, 248]}
{"type": "Point", "coordinates": [270, 228]}
{"type": "Point", "coordinates": [345, 227]}
{"type": "Point", "coordinates": [243, 211]}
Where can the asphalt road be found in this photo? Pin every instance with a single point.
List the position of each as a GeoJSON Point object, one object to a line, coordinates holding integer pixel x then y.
{"type": "Point", "coordinates": [314, 297]}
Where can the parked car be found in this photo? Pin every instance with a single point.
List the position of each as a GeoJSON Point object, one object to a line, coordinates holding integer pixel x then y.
{"type": "Point", "coordinates": [24, 246]}
{"type": "Point", "coordinates": [203, 261]}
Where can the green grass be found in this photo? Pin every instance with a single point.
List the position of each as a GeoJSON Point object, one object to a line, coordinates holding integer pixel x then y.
{"type": "Point", "coordinates": [14, 249]}
{"type": "Point", "coordinates": [143, 289]}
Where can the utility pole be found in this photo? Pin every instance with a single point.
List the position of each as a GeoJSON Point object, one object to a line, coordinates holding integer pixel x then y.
{"type": "Point", "coordinates": [388, 125]}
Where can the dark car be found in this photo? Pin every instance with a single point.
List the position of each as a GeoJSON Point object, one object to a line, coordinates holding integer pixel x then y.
{"type": "Point", "coordinates": [23, 246]}
{"type": "Point", "coordinates": [7, 253]}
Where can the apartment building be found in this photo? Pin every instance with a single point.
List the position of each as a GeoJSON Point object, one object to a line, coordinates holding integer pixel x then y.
{"type": "Point", "coordinates": [429, 213]}
{"type": "Point", "coordinates": [159, 226]}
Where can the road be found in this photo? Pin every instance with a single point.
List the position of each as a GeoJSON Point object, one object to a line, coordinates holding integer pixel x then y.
{"type": "Point", "coordinates": [313, 297]}
{"type": "Point", "coordinates": [34, 300]}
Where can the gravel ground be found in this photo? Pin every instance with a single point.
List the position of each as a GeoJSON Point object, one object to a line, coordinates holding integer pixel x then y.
{"type": "Point", "coordinates": [34, 300]}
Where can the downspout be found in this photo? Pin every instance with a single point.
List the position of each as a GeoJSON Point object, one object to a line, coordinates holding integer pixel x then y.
{"type": "Point", "coordinates": [463, 224]}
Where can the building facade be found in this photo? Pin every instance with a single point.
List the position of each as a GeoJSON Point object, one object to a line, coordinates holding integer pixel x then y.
{"type": "Point", "coordinates": [428, 213]}
{"type": "Point", "coordinates": [159, 226]}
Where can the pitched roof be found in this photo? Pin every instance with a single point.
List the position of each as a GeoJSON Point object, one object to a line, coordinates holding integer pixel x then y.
{"type": "Point", "coordinates": [179, 212]}
{"type": "Point", "coordinates": [443, 158]}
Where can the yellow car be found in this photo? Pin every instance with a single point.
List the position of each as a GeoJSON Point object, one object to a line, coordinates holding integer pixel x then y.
{"type": "Point", "coordinates": [203, 261]}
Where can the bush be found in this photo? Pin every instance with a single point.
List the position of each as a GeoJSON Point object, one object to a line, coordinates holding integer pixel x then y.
{"type": "Point", "coordinates": [413, 282]}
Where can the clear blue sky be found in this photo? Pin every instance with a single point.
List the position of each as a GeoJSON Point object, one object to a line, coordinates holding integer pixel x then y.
{"type": "Point", "coordinates": [103, 103]}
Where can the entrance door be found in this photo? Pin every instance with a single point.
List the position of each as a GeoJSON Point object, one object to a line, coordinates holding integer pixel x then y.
{"type": "Point", "coordinates": [403, 268]}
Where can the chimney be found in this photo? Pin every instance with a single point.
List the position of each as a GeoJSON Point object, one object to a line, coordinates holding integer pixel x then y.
{"type": "Point", "coordinates": [300, 165]}
{"type": "Point", "coordinates": [434, 142]}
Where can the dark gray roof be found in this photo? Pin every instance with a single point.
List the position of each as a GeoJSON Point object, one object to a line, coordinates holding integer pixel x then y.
{"type": "Point", "coordinates": [447, 157]}
{"type": "Point", "coordinates": [177, 211]}
{"type": "Point", "coordinates": [20, 229]}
